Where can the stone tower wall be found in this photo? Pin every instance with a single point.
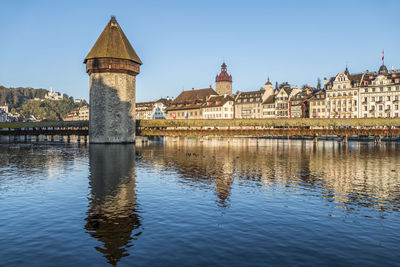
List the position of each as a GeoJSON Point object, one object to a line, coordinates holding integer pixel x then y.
{"type": "Point", "coordinates": [222, 87]}
{"type": "Point", "coordinates": [112, 108]}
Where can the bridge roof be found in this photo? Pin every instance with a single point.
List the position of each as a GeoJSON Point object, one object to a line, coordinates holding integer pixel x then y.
{"type": "Point", "coordinates": [113, 43]}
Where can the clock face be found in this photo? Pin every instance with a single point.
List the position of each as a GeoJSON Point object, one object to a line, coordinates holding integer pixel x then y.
{"type": "Point", "coordinates": [228, 86]}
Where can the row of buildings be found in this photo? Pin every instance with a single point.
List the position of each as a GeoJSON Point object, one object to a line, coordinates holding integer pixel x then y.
{"type": "Point", "coordinates": [371, 94]}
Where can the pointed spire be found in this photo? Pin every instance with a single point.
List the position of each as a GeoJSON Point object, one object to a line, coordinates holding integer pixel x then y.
{"type": "Point", "coordinates": [268, 82]}
{"type": "Point", "coordinates": [346, 71]}
{"type": "Point", "coordinates": [113, 43]}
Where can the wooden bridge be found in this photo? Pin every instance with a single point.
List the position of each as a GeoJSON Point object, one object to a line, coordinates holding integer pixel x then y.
{"type": "Point", "coordinates": [343, 128]}
{"type": "Point", "coordinates": [60, 129]}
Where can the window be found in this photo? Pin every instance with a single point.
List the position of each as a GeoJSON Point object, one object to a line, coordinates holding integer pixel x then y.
{"type": "Point", "coordinates": [366, 90]}
{"type": "Point", "coordinates": [388, 98]}
{"type": "Point", "coordinates": [373, 90]}
{"type": "Point", "coordinates": [381, 89]}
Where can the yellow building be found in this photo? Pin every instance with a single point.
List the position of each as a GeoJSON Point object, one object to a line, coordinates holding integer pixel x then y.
{"type": "Point", "coordinates": [342, 95]}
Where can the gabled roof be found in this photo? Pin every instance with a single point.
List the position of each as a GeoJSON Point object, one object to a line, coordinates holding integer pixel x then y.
{"type": "Point", "coordinates": [113, 43]}
{"type": "Point", "coordinates": [217, 101]}
{"type": "Point", "coordinates": [288, 90]}
{"type": "Point", "coordinates": [192, 95]}
{"type": "Point", "coordinates": [270, 100]}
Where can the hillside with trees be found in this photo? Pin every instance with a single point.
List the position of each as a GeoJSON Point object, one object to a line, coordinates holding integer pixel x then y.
{"type": "Point", "coordinates": [28, 101]}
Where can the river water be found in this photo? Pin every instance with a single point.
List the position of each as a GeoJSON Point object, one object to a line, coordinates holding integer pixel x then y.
{"type": "Point", "coordinates": [173, 204]}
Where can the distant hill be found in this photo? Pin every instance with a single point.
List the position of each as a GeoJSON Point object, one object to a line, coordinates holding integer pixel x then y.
{"type": "Point", "coordinates": [14, 97]}
{"type": "Point", "coordinates": [20, 100]}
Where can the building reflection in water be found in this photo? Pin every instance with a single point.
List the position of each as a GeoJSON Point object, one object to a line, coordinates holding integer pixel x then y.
{"type": "Point", "coordinates": [354, 176]}
{"type": "Point", "coordinates": [112, 217]}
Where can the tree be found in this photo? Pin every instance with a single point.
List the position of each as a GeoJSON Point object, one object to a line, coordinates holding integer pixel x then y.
{"type": "Point", "coordinates": [319, 84]}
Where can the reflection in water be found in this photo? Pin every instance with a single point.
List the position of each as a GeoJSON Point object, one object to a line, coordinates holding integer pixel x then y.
{"type": "Point", "coordinates": [112, 216]}
{"type": "Point", "coordinates": [360, 175]}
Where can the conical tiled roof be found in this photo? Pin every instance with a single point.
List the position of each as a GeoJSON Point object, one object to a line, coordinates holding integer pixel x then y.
{"type": "Point", "coordinates": [113, 43]}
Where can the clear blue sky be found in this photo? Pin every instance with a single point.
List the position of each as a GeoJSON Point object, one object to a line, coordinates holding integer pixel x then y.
{"type": "Point", "coordinates": [183, 43]}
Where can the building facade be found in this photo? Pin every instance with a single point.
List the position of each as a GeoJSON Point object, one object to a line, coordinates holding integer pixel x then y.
{"type": "Point", "coordinates": [188, 104]}
{"type": "Point", "coordinates": [152, 110]}
{"type": "Point", "coordinates": [318, 105]}
{"type": "Point", "coordinates": [380, 94]}
{"type": "Point", "coordinates": [342, 95]}
{"type": "Point", "coordinates": [51, 95]}
{"type": "Point", "coordinates": [219, 107]}
{"type": "Point", "coordinates": [282, 100]}
{"type": "Point", "coordinates": [249, 105]}
{"type": "Point", "coordinates": [3, 116]}
{"type": "Point", "coordinates": [298, 105]}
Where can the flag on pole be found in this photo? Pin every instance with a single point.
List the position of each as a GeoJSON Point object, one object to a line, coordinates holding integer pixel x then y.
{"type": "Point", "coordinates": [383, 55]}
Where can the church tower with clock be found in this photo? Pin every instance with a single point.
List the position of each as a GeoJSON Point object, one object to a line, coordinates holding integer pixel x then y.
{"type": "Point", "coordinates": [223, 82]}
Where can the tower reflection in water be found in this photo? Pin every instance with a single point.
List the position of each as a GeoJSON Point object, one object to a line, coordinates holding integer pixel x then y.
{"type": "Point", "coordinates": [112, 217]}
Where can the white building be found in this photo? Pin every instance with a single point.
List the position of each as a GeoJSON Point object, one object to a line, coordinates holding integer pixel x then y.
{"type": "Point", "coordinates": [218, 107]}
{"type": "Point", "coordinates": [152, 110]}
{"type": "Point", "coordinates": [380, 94]}
{"type": "Point", "coordinates": [53, 95]}
{"type": "Point", "coordinates": [3, 116]}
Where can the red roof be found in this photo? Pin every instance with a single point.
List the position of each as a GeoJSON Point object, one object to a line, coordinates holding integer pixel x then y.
{"type": "Point", "coordinates": [223, 76]}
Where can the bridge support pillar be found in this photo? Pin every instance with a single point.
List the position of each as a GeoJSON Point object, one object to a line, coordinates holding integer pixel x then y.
{"type": "Point", "coordinates": [378, 140]}
{"type": "Point", "coordinates": [68, 139]}
{"type": "Point", "coordinates": [315, 139]}
{"type": "Point", "coordinates": [79, 139]}
{"type": "Point", "coordinates": [345, 139]}
{"type": "Point", "coordinates": [52, 138]}
{"type": "Point", "coordinates": [85, 139]}
{"type": "Point", "coordinates": [61, 138]}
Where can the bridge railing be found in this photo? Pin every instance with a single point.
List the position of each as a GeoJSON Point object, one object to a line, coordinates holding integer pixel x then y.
{"type": "Point", "coordinates": [44, 124]}
{"type": "Point", "coordinates": [295, 123]}
{"type": "Point", "coordinates": [270, 127]}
